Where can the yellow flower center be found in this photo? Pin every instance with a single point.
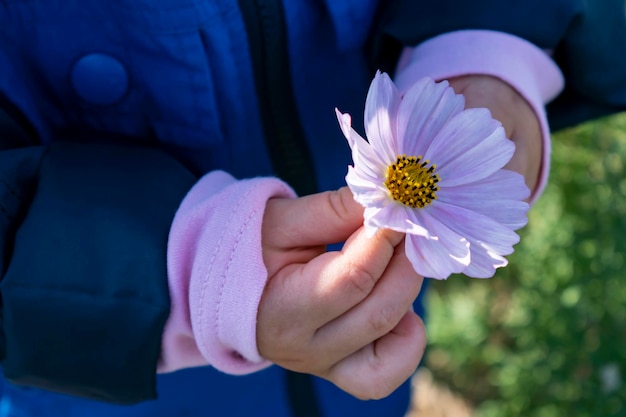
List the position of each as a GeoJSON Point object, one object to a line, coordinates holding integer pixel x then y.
{"type": "Point", "coordinates": [412, 182]}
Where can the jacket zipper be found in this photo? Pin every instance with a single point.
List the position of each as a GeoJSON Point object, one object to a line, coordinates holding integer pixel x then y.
{"type": "Point", "coordinates": [284, 136]}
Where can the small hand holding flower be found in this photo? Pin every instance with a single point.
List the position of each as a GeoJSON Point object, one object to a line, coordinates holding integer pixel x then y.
{"type": "Point", "coordinates": [345, 316]}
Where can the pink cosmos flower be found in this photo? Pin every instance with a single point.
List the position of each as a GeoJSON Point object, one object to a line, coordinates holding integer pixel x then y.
{"type": "Point", "coordinates": [433, 170]}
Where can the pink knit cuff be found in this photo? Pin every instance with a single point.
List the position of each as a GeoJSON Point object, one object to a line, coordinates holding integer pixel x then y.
{"type": "Point", "coordinates": [216, 274]}
{"type": "Point", "coordinates": [522, 65]}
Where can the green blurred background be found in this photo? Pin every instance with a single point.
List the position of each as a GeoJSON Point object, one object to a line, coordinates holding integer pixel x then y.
{"type": "Point", "coordinates": [546, 337]}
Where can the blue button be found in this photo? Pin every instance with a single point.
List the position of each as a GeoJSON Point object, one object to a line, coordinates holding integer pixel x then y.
{"type": "Point", "coordinates": [99, 79]}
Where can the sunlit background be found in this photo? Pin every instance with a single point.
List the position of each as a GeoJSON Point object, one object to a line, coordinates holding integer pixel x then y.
{"type": "Point", "coordinates": [546, 337]}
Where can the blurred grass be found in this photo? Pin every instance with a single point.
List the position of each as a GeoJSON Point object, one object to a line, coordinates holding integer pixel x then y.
{"type": "Point", "coordinates": [546, 337]}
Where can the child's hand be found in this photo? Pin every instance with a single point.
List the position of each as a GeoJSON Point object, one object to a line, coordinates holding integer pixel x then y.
{"type": "Point", "coordinates": [345, 316]}
{"type": "Point", "coordinates": [515, 114]}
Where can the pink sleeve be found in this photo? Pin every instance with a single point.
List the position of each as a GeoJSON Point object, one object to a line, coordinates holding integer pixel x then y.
{"type": "Point", "coordinates": [216, 274]}
{"type": "Point", "coordinates": [525, 67]}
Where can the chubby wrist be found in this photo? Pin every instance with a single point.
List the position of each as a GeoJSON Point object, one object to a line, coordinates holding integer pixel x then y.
{"type": "Point", "coordinates": [527, 69]}
{"type": "Point", "coordinates": [216, 274]}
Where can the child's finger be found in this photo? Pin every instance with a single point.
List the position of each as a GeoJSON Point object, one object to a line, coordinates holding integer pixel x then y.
{"type": "Point", "coordinates": [376, 314]}
{"type": "Point", "coordinates": [379, 368]}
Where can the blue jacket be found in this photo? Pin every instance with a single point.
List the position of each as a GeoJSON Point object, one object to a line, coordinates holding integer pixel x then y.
{"type": "Point", "coordinates": [111, 110]}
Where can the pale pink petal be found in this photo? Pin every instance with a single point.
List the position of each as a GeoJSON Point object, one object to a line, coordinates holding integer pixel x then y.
{"type": "Point", "coordinates": [425, 108]}
{"type": "Point", "coordinates": [499, 196]}
{"type": "Point", "coordinates": [365, 157]}
{"type": "Point", "coordinates": [475, 227]}
{"type": "Point", "coordinates": [461, 133]}
{"type": "Point", "coordinates": [442, 253]}
{"type": "Point", "coordinates": [470, 147]}
{"type": "Point", "coordinates": [509, 213]}
{"type": "Point", "coordinates": [398, 217]}
{"type": "Point", "coordinates": [370, 173]}
{"type": "Point", "coordinates": [483, 160]}
{"type": "Point", "coordinates": [361, 182]}
{"type": "Point", "coordinates": [488, 240]}
{"type": "Point", "coordinates": [503, 184]}
{"type": "Point", "coordinates": [379, 217]}
{"type": "Point", "coordinates": [371, 215]}
{"type": "Point", "coordinates": [381, 107]}
{"type": "Point", "coordinates": [434, 250]}
{"type": "Point", "coordinates": [432, 259]}
{"type": "Point", "coordinates": [484, 262]}
{"type": "Point", "coordinates": [366, 192]}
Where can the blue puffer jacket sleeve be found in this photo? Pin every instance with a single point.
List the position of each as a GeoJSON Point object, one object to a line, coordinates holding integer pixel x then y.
{"type": "Point", "coordinates": [587, 40]}
{"type": "Point", "coordinates": [83, 233]}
